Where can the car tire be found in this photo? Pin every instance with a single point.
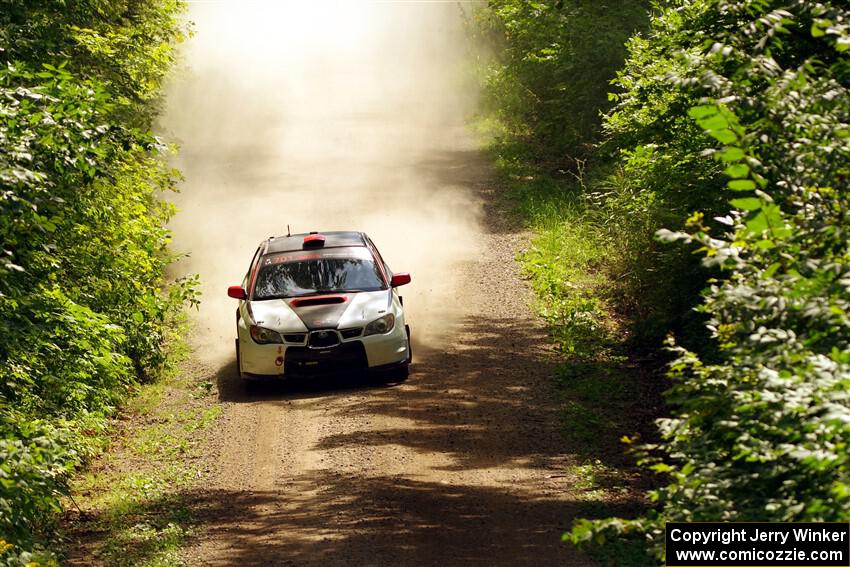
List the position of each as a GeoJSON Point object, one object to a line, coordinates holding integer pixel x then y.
{"type": "Point", "coordinates": [395, 375]}
{"type": "Point", "coordinates": [402, 373]}
{"type": "Point", "coordinates": [238, 361]}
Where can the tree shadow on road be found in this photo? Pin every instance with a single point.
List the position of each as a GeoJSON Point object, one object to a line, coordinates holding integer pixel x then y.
{"type": "Point", "coordinates": [332, 519]}
{"type": "Point", "coordinates": [463, 402]}
{"type": "Point", "coordinates": [467, 395]}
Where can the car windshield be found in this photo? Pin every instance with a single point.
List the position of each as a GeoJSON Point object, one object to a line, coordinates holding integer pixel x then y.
{"type": "Point", "coordinates": [294, 274]}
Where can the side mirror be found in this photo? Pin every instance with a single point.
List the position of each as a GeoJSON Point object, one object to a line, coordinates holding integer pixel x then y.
{"type": "Point", "coordinates": [236, 292]}
{"type": "Point", "coordinates": [400, 279]}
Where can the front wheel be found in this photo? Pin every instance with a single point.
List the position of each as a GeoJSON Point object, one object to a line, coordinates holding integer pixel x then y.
{"type": "Point", "coordinates": [398, 374]}
{"type": "Point", "coordinates": [401, 373]}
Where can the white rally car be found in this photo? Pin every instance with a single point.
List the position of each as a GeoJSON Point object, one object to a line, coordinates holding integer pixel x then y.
{"type": "Point", "coordinates": [320, 303]}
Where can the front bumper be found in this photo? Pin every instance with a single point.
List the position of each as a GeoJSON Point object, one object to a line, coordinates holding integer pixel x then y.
{"type": "Point", "coordinates": [374, 352]}
{"type": "Point", "coordinates": [346, 357]}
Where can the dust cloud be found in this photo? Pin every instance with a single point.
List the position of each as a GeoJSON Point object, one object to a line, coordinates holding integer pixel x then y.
{"type": "Point", "coordinates": [324, 116]}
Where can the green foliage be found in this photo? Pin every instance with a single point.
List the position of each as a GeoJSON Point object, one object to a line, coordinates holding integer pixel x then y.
{"type": "Point", "coordinates": [125, 45]}
{"type": "Point", "coordinates": [83, 300]}
{"type": "Point", "coordinates": [760, 432]}
{"type": "Point", "coordinates": [64, 359]}
{"type": "Point", "coordinates": [561, 264]}
{"type": "Point", "coordinates": [630, 174]}
{"type": "Point", "coordinates": [729, 132]}
{"type": "Point", "coordinates": [656, 286]}
{"type": "Point", "coordinates": [564, 263]}
{"type": "Point", "coordinates": [36, 458]}
{"type": "Point", "coordinates": [550, 77]}
{"type": "Point", "coordinates": [136, 506]}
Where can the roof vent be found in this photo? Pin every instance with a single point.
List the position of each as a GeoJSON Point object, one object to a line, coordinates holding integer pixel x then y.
{"type": "Point", "coordinates": [314, 240]}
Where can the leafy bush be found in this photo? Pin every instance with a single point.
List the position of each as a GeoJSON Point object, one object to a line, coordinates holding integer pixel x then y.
{"type": "Point", "coordinates": [36, 459]}
{"type": "Point", "coordinates": [759, 433]}
{"type": "Point", "coordinates": [729, 129]}
{"type": "Point", "coordinates": [554, 60]}
{"type": "Point", "coordinates": [627, 173]}
{"type": "Point", "coordinates": [83, 297]}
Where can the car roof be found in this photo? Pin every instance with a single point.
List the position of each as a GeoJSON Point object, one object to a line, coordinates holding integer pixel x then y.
{"type": "Point", "coordinates": [333, 239]}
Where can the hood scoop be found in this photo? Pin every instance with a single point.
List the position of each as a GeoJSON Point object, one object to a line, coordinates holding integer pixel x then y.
{"type": "Point", "coordinates": [318, 300]}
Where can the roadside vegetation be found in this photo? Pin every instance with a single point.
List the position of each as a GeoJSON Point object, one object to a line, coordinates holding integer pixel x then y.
{"type": "Point", "coordinates": [130, 505]}
{"type": "Point", "coordinates": [693, 210]}
{"type": "Point", "coordinates": [84, 302]}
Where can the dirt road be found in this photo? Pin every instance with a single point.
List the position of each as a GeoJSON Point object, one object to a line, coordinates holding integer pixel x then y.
{"type": "Point", "coordinates": [352, 116]}
{"type": "Point", "coordinates": [460, 465]}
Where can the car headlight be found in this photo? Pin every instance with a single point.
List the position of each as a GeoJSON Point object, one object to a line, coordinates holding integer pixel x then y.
{"type": "Point", "coordinates": [380, 326]}
{"type": "Point", "coordinates": [264, 336]}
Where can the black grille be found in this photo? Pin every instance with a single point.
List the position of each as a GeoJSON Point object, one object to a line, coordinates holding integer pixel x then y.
{"type": "Point", "coordinates": [351, 333]}
{"type": "Point", "coordinates": [324, 338]}
{"type": "Point", "coordinates": [295, 337]}
{"type": "Point", "coordinates": [303, 361]}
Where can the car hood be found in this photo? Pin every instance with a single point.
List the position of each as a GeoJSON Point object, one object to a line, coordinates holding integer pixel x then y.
{"type": "Point", "coordinates": [332, 311]}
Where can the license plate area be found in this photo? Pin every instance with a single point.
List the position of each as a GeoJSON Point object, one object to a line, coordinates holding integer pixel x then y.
{"type": "Point", "coordinates": [309, 361]}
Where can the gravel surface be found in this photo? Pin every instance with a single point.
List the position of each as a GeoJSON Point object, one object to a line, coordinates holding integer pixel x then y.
{"type": "Point", "coordinates": [462, 464]}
